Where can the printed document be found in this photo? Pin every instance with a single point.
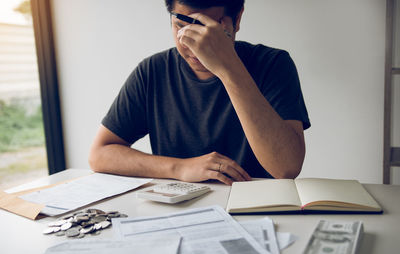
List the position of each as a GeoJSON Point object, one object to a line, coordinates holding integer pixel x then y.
{"type": "Point", "coordinates": [71, 195]}
{"type": "Point", "coordinates": [165, 244]}
{"type": "Point", "coordinates": [203, 230]}
{"type": "Point", "coordinates": [264, 232]}
{"type": "Point", "coordinates": [285, 239]}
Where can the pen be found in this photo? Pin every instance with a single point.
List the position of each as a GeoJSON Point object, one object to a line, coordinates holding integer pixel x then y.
{"type": "Point", "coordinates": [186, 18]}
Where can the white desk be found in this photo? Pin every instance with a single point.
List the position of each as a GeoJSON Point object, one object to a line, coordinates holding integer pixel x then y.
{"type": "Point", "coordinates": [382, 232]}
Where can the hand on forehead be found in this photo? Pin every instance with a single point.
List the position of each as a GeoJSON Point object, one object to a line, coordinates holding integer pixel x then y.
{"type": "Point", "coordinates": [216, 13]}
{"type": "Point", "coordinates": [204, 20]}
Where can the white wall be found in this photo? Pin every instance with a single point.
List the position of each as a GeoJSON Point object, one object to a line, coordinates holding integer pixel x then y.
{"type": "Point", "coordinates": [338, 47]}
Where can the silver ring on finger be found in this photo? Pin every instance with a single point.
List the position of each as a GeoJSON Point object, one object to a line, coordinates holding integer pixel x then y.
{"type": "Point", "coordinates": [219, 168]}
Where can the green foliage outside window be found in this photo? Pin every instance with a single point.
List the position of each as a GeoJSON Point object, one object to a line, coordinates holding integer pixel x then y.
{"type": "Point", "coordinates": [18, 129]}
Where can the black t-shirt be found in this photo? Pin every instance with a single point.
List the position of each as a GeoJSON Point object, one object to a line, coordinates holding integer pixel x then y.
{"type": "Point", "coordinates": [187, 117]}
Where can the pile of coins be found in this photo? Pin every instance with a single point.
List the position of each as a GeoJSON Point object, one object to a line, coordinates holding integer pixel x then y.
{"type": "Point", "coordinates": [90, 221]}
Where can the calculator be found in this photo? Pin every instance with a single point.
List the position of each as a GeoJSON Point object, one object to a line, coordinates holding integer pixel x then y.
{"type": "Point", "coordinates": [173, 192]}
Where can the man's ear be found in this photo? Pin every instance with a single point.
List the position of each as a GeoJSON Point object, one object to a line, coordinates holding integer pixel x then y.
{"type": "Point", "coordinates": [238, 18]}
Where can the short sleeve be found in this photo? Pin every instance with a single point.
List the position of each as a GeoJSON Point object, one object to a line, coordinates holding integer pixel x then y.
{"type": "Point", "coordinates": [281, 87]}
{"type": "Point", "coordinates": [127, 115]}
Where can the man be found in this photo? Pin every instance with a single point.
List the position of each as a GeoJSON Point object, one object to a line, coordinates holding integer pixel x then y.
{"type": "Point", "coordinates": [213, 108]}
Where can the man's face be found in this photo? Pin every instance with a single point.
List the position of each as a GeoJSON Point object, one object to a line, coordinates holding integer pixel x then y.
{"type": "Point", "coordinates": [216, 13]}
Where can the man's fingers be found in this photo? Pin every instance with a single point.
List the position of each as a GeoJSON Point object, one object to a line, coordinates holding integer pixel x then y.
{"type": "Point", "coordinates": [220, 177]}
{"type": "Point", "coordinates": [186, 41]}
{"type": "Point", "coordinates": [225, 169]}
{"type": "Point", "coordinates": [225, 22]}
{"type": "Point", "coordinates": [232, 172]}
{"type": "Point", "coordinates": [188, 31]}
{"type": "Point", "coordinates": [239, 170]}
{"type": "Point", "coordinates": [244, 173]}
{"type": "Point", "coordinates": [188, 36]}
{"type": "Point", "coordinates": [234, 166]}
{"type": "Point", "coordinates": [205, 20]}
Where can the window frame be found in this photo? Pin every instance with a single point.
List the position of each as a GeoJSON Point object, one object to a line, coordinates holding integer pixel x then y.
{"type": "Point", "coordinates": [52, 122]}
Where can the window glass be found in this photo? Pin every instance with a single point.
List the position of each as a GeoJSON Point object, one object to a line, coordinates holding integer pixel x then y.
{"type": "Point", "coordinates": [22, 143]}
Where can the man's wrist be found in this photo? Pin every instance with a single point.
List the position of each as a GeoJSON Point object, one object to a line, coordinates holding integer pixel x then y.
{"type": "Point", "coordinates": [234, 72]}
{"type": "Point", "coordinates": [175, 168]}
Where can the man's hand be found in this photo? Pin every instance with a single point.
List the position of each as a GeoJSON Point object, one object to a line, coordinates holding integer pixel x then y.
{"type": "Point", "coordinates": [212, 43]}
{"type": "Point", "coordinates": [211, 166]}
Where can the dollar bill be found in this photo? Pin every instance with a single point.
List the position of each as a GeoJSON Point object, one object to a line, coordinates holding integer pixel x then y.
{"type": "Point", "coordinates": [335, 237]}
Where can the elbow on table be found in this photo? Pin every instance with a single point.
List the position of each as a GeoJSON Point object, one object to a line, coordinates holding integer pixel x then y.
{"type": "Point", "coordinates": [288, 168]}
{"type": "Point", "coordinates": [285, 172]}
{"type": "Point", "coordinates": [95, 161]}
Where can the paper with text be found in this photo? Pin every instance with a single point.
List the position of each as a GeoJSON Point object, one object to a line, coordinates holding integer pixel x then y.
{"type": "Point", "coordinates": [203, 230]}
{"type": "Point", "coordinates": [167, 244]}
{"type": "Point", "coordinates": [285, 239]}
{"type": "Point", "coordinates": [264, 232]}
{"type": "Point", "coordinates": [82, 191]}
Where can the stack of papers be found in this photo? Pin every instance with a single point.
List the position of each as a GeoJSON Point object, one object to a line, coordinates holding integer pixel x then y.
{"type": "Point", "coordinates": [71, 195]}
{"type": "Point", "coordinates": [200, 230]}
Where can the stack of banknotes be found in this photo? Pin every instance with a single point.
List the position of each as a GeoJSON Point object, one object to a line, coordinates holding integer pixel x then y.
{"type": "Point", "coordinates": [335, 237]}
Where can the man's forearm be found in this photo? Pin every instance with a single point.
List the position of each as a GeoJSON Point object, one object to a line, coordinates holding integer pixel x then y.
{"type": "Point", "coordinates": [124, 160]}
{"type": "Point", "coordinates": [111, 154]}
{"type": "Point", "coordinates": [276, 144]}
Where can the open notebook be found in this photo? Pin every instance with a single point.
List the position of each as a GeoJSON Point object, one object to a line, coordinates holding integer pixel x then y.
{"type": "Point", "coordinates": [303, 194]}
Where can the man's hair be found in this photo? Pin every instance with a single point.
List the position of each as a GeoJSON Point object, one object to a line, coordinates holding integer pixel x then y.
{"type": "Point", "coordinates": [232, 7]}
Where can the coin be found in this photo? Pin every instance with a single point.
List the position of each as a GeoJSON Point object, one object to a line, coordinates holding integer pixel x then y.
{"type": "Point", "coordinates": [87, 223]}
{"type": "Point", "coordinates": [90, 221]}
{"type": "Point", "coordinates": [66, 226]}
{"type": "Point", "coordinates": [99, 218]}
{"type": "Point", "coordinates": [49, 230]}
{"type": "Point", "coordinates": [95, 211]}
{"type": "Point", "coordinates": [105, 224]}
{"type": "Point", "coordinates": [56, 229]}
{"type": "Point", "coordinates": [97, 232]}
{"type": "Point", "coordinates": [72, 232]}
{"type": "Point", "coordinates": [77, 213]}
{"type": "Point", "coordinates": [80, 235]}
{"type": "Point", "coordinates": [56, 223]}
{"type": "Point", "coordinates": [81, 218]}
{"type": "Point", "coordinates": [60, 233]}
{"type": "Point", "coordinates": [67, 217]}
{"type": "Point", "coordinates": [97, 226]}
{"type": "Point", "coordinates": [113, 215]}
{"type": "Point", "coordinates": [51, 224]}
{"type": "Point", "coordinates": [59, 222]}
{"type": "Point", "coordinates": [70, 219]}
{"type": "Point", "coordinates": [87, 229]}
